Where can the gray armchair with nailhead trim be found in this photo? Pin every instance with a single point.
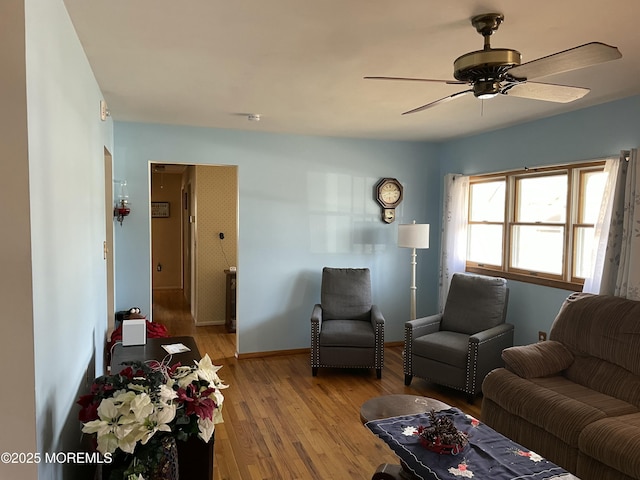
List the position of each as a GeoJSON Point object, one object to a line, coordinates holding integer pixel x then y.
{"type": "Point", "coordinates": [460, 346]}
{"type": "Point", "coordinates": [347, 329]}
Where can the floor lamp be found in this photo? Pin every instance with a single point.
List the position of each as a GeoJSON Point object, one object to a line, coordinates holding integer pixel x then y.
{"type": "Point", "coordinates": [413, 235]}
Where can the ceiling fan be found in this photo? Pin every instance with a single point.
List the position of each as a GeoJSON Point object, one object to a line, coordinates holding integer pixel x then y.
{"type": "Point", "coordinates": [493, 71]}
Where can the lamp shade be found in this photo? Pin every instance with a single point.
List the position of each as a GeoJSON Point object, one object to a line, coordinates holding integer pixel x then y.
{"type": "Point", "coordinates": [413, 235]}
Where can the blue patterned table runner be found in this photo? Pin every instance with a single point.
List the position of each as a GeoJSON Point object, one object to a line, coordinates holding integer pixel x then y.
{"type": "Point", "coordinates": [488, 455]}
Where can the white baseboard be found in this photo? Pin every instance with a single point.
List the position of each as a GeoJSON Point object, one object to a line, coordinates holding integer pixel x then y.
{"type": "Point", "coordinates": [208, 324]}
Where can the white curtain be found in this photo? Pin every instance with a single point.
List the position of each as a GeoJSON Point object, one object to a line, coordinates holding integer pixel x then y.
{"type": "Point", "coordinates": [616, 268]}
{"type": "Point", "coordinates": [453, 250]}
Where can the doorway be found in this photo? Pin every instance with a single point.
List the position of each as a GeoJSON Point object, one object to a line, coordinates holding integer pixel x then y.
{"type": "Point", "coordinates": [191, 206]}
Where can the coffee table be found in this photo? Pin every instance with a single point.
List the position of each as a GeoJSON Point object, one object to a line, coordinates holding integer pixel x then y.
{"type": "Point", "coordinates": [387, 406]}
{"type": "Point", "coordinates": [395, 418]}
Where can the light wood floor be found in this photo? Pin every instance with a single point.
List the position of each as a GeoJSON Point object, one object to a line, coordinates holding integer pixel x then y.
{"type": "Point", "coordinates": [282, 423]}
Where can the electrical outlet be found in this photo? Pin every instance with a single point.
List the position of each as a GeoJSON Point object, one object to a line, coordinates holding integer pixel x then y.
{"type": "Point", "coordinates": [542, 336]}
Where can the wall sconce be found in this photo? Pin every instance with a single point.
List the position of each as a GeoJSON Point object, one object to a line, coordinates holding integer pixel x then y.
{"type": "Point", "coordinates": [122, 206]}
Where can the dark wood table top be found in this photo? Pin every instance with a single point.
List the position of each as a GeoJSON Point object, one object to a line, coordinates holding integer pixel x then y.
{"type": "Point", "coordinates": [387, 406]}
{"type": "Point", "coordinates": [153, 350]}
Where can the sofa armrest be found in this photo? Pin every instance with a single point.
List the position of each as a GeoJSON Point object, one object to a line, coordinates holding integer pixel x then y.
{"type": "Point", "coordinates": [540, 359]}
{"type": "Point", "coordinates": [423, 326]}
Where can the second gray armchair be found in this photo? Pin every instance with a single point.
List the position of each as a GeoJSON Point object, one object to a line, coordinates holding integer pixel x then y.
{"type": "Point", "coordinates": [460, 346]}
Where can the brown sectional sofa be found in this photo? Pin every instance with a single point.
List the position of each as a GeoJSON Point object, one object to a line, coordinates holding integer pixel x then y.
{"type": "Point", "coordinates": [575, 399]}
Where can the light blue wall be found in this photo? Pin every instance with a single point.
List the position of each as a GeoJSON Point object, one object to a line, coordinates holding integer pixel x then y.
{"type": "Point", "coordinates": [304, 203]}
{"type": "Point", "coordinates": [585, 134]}
{"type": "Point", "coordinates": [68, 226]}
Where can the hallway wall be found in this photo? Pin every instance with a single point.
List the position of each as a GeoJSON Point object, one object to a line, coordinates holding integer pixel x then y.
{"type": "Point", "coordinates": [166, 234]}
{"type": "Point", "coordinates": [216, 211]}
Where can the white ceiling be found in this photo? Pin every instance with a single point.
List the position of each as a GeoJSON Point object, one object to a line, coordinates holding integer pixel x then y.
{"type": "Point", "coordinates": [299, 64]}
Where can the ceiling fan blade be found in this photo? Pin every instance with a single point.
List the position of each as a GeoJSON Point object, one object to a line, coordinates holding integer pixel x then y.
{"type": "Point", "coordinates": [449, 82]}
{"type": "Point", "coordinates": [438, 102]}
{"type": "Point", "coordinates": [567, 60]}
{"type": "Point", "coordinates": [548, 92]}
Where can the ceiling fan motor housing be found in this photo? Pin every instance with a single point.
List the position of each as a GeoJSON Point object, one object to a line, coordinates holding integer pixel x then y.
{"type": "Point", "coordinates": [485, 69]}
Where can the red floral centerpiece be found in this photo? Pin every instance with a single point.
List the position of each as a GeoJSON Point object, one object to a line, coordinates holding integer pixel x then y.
{"type": "Point", "coordinates": [133, 413]}
{"type": "Point", "coordinates": [441, 435]}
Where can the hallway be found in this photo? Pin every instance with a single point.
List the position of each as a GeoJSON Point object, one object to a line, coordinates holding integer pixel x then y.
{"type": "Point", "coordinates": [171, 309]}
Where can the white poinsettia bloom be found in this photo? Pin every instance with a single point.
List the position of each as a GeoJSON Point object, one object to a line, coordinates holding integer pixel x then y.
{"type": "Point", "coordinates": [141, 407]}
{"type": "Point", "coordinates": [218, 384]}
{"type": "Point", "coordinates": [217, 397]}
{"type": "Point", "coordinates": [207, 370]}
{"type": "Point", "coordinates": [217, 415]}
{"type": "Point", "coordinates": [122, 399]}
{"type": "Point", "coordinates": [158, 422]}
{"type": "Point", "coordinates": [166, 413]}
{"type": "Point", "coordinates": [166, 393]}
{"type": "Point", "coordinates": [107, 443]}
{"type": "Point", "coordinates": [111, 426]}
{"type": "Point", "coordinates": [206, 428]}
{"type": "Point", "coordinates": [128, 442]}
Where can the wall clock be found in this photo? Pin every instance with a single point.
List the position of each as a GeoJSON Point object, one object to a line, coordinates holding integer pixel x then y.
{"type": "Point", "coordinates": [389, 196]}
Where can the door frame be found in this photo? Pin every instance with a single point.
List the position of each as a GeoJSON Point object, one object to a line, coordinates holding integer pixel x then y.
{"type": "Point", "coordinates": [108, 246]}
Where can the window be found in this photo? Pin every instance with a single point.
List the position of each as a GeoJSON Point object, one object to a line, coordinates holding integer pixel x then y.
{"type": "Point", "coordinates": [535, 225]}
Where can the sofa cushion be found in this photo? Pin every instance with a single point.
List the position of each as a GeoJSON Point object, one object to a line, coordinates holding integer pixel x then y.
{"type": "Point", "coordinates": [559, 406]}
{"type": "Point", "coordinates": [605, 377]}
{"type": "Point", "coordinates": [445, 347]}
{"type": "Point", "coordinates": [609, 406]}
{"type": "Point", "coordinates": [538, 359]}
{"type": "Point", "coordinates": [614, 442]}
{"type": "Point", "coordinates": [350, 333]}
{"type": "Point", "coordinates": [600, 326]}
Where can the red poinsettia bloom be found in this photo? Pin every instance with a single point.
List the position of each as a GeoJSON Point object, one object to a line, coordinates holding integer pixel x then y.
{"type": "Point", "coordinates": [89, 410]}
{"type": "Point", "coordinates": [196, 402]}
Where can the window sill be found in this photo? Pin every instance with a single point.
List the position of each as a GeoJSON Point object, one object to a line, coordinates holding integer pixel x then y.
{"type": "Point", "coordinates": [547, 282]}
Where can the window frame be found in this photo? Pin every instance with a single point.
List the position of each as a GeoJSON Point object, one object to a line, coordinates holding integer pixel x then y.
{"type": "Point", "coordinates": [572, 222]}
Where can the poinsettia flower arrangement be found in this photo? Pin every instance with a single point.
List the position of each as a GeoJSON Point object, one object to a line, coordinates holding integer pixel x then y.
{"type": "Point", "coordinates": [147, 400]}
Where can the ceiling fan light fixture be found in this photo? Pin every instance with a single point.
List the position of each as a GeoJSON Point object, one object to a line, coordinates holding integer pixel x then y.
{"type": "Point", "coordinates": [486, 89]}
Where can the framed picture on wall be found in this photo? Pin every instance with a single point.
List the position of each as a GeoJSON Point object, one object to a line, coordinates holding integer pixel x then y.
{"type": "Point", "coordinates": [159, 209]}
